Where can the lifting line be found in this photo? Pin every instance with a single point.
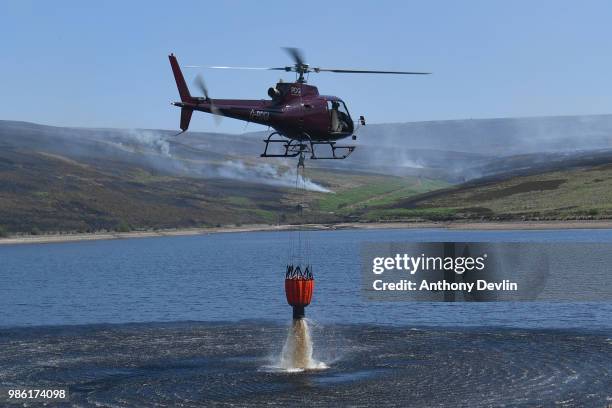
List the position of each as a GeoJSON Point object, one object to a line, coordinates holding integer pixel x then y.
{"type": "Point", "coordinates": [300, 245]}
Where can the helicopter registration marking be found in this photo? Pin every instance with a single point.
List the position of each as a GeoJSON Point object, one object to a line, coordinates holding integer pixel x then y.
{"type": "Point", "coordinates": [296, 91]}
{"type": "Point", "coordinates": [259, 114]}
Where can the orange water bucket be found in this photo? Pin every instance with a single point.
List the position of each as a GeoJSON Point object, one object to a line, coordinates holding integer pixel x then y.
{"type": "Point", "coordinates": [299, 291]}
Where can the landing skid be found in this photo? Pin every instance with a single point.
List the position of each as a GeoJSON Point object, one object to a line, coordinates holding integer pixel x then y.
{"type": "Point", "coordinates": [294, 148]}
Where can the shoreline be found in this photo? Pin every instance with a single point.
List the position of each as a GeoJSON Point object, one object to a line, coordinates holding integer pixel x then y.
{"type": "Point", "coordinates": [452, 225]}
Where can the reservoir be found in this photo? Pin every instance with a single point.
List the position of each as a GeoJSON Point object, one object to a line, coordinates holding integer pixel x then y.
{"type": "Point", "coordinates": [201, 321]}
{"type": "Point", "coordinates": [237, 276]}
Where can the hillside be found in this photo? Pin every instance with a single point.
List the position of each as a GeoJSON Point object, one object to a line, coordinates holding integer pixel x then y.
{"type": "Point", "coordinates": [55, 179]}
{"type": "Point", "coordinates": [460, 150]}
{"type": "Point", "coordinates": [84, 180]}
{"type": "Point", "coordinates": [581, 190]}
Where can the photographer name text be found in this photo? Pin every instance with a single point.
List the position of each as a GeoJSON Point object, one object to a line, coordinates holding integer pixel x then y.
{"type": "Point", "coordinates": [459, 265]}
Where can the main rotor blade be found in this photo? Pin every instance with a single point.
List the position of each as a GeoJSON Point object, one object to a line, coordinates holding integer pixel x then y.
{"type": "Point", "coordinates": [367, 71]}
{"type": "Point", "coordinates": [250, 68]}
{"type": "Point", "coordinates": [296, 54]}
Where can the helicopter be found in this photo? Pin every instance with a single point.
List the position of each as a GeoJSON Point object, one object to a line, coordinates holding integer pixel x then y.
{"type": "Point", "coordinates": [301, 118]}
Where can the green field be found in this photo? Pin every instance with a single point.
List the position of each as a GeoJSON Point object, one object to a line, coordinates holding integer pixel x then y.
{"type": "Point", "coordinates": [376, 192]}
{"type": "Point", "coordinates": [582, 193]}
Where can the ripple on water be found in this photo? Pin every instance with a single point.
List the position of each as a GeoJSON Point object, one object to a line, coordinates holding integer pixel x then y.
{"type": "Point", "coordinates": [202, 364]}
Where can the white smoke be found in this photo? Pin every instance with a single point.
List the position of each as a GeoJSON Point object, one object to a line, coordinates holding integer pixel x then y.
{"type": "Point", "coordinates": [406, 162]}
{"type": "Point", "coordinates": [141, 141]}
{"type": "Point", "coordinates": [148, 139]}
{"type": "Point", "coordinates": [265, 173]}
{"type": "Point", "coordinates": [153, 144]}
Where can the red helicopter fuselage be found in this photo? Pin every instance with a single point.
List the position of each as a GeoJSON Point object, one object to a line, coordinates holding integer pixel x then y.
{"type": "Point", "coordinates": [295, 110]}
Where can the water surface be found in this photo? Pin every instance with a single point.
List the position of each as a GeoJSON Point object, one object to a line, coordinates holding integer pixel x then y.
{"type": "Point", "coordinates": [236, 276]}
{"type": "Point", "coordinates": [225, 364]}
{"type": "Point", "coordinates": [67, 314]}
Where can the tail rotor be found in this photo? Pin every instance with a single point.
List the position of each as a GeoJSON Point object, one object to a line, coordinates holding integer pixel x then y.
{"type": "Point", "coordinates": [199, 82]}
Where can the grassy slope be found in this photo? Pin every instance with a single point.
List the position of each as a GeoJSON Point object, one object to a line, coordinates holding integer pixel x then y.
{"type": "Point", "coordinates": [378, 191]}
{"type": "Point", "coordinates": [51, 193]}
{"type": "Point", "coordinates": [577, 193]}
{"type": "Point", "coordinates": [42, 192]}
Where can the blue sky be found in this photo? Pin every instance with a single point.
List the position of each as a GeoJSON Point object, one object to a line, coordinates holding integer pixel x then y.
{"type": "Point", "coordinates": [104, 64]}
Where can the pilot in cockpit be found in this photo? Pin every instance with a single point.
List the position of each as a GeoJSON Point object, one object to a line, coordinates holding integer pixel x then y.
{"type": "Point", "coordinates": [338, 120]}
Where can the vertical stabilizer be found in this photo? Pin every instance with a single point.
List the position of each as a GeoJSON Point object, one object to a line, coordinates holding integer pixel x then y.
{"type": "Point", "coordinates": [180, 80]}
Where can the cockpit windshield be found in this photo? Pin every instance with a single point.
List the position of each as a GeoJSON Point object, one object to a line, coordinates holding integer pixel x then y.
{"type": "Point", "coordinates": [340, 119]}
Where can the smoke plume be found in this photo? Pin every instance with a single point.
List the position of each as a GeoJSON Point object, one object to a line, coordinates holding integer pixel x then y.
{"type": "Point", "coordinates": [265, 173]}
{"type": "Point", "coordinates": [157, 149]}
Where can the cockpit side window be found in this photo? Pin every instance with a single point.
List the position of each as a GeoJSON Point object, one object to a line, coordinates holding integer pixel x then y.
{"type": "Point", "coordinates": [340, 120]}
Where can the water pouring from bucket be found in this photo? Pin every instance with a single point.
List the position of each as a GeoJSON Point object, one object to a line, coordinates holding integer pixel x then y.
{"type": "Point", "coordinates": [297, 351]}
